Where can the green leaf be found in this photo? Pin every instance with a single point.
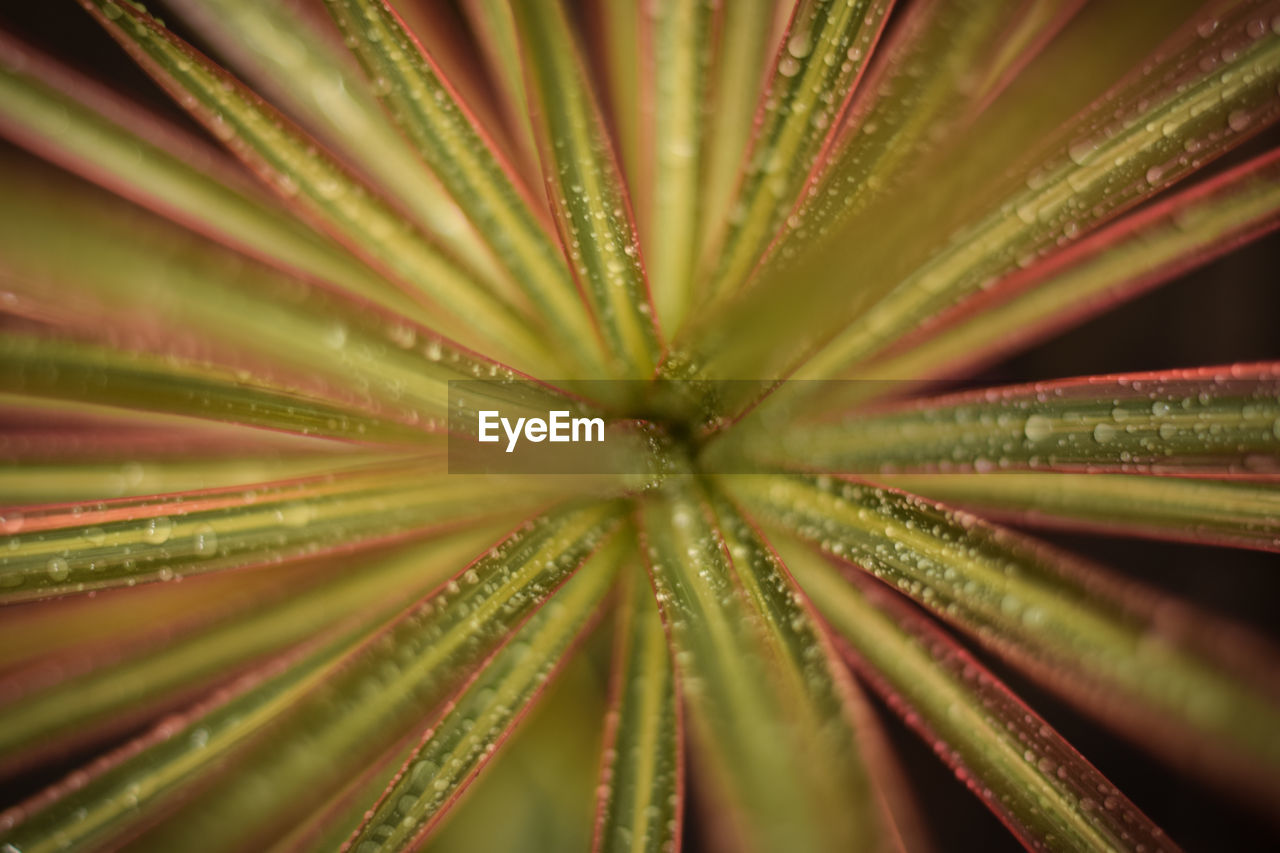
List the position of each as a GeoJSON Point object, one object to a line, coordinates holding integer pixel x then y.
{"type": "Point", "coordinates": [153, 676]}
{"type": "Point", "coordinates": [544, 784]}
{"type": "Point", "coordinates": [62, 116]}
{"type": "Point", "coordinates": [932, 74]}
{"type": "Point", "coordinates": [1217, 421]}
{"type": "Point", "coordinates": [64, 370]}
{"type": "Point", "coordinates": [495, 30]}
{"type": "Point", "coordinates": [460, 744]}
{"type": "Point", "coordinates": [1186, 230]}
{"type": "Point", "coordinates": [276, 744]}
{"type": "Point", "coordinates": [138, 779]}
{"type": "Point", "coordinates": [1172, 122]}
{"type": "Point", "coordinates": [142, 617]}
{"type": "Point", "coordinates": [62, 550]}
{"type": "Point", "coordinates": [134, 271]}
{"type": "Point", "coordinates": [1244, 515]}
{"type": "Point", "coordinates": [674, 89]}
{"type": "Point", "coordinates": [284, 53]}
{"type": "Point", "coordinates": [740, 70]}
{"type": "Point", "coordinates": [425, 108]}
{"type": "Point", "coordinates": [617, 27]}
{"type": "Point", "coordinates": [1140, 663]}
{"type": "Point", "coordinates": [37, 482]}
{"type": "Point", "coordinates": [640, 799]}
{"type": "Point", "coordinates": [1008, 192]}
{"type": "Point", "coordinates": [769, 711]}
{"type": "Point", "coordinates": [588, 195]}
{"type": "Point", "coordinates": [824, 53]}
{"type": "Point", "coordinates": [325, 191]}
{"type": "Point", "coordinates": [1020, 768]}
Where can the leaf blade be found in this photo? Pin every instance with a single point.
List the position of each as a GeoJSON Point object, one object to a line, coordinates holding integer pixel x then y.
{"type": "Point", "coordinates": [1221, 512]}
{"type": "Point", "coordinates": [1082, 189]}
{"type": "Point", "coordinates": [327, 192]}
{"type": "Point", "coordinates": [824, 54]}
{"type": "Point", "coordinates": [773, 721]}
{"type": "Point", "coordinates": [429, 113]}
{"type": "Point", "coordinates": [321, 700]}
{"type": "Point", "coordinates": [283, 52]}
{"type": "Point", "coordinates": [588, 196]}
{"type": "Point", "coordinates": [640, 798]}
{"type": "Point", "coordinates": [1141, 251]}
{"type": "Point", "coordinates": [64, 550]}
{"type": "Point", "coordinates": [1083, 634]}
{"type": "Point", "coordinates": [1213, 421]}
{"type": "Point", "coordinates": [459, 744]}
{"type": "Point", "coordinates": [1020, 768]}
{"type": "Point", "coordinates": [147, 677]}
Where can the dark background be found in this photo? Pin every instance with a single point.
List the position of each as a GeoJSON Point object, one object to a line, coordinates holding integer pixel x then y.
{"type": "Point", "coordinates": [1227, 311]}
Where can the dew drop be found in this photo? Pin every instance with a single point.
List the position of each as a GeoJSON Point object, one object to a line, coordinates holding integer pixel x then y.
{"type": "Point", "coordinates": [799, 45]}
{"type": "Point", "coordinates": [336, 336]}
{"type": "Point", "coordinates": [205, 541]}
{"type": "Point", "coordinates": [57, 568]}
{"type": "Point", "coordinates": [1080, 151]}
{"type": "Point", "coordinates": [158, 530]}
{"type": "Point", "coordinates": [1037, 428]}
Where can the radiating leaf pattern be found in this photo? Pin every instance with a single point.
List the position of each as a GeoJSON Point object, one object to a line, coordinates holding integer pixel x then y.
{"type": "Point", "coordinates": [1166, 119]}
{"type": "Point", "coordinates": [1116, 263]}
{"type": "Point", "coordinates": [329, 193]}
{"type": "Point", "coordinates": [425, 108]}
{"type": "Point", "coordinates": [825, 50]}
{"type": "Point", "coordinates": [477, 721]}
{"type": "Point", "coordinates": [71, 549]}
{"type": "Point", "coordinates": [586, 190]}
{"type": "Point", "coordinates": [281, 50]}
{"type": "Point", "coordinates": [640, 793]}
{"type": "Point", "coordinates": [71, 705]}
{"type": "Point", "coordinates": [1105, 168]}
{"type": "Point", "coordinates": [252, 599]}
{"type": "Point", "coordinates": [1243, 514]}
{"type": "Point", "coordinates": [1030, 605]}
{"type": "Point", "coordinates": [1045, 790]}
{"type": "Point", "coordinates": [749, 661]}
{"type": "Point", "coordinates": [1209, 421]}
{"type": "Point", "coordinates": [49, 108]}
